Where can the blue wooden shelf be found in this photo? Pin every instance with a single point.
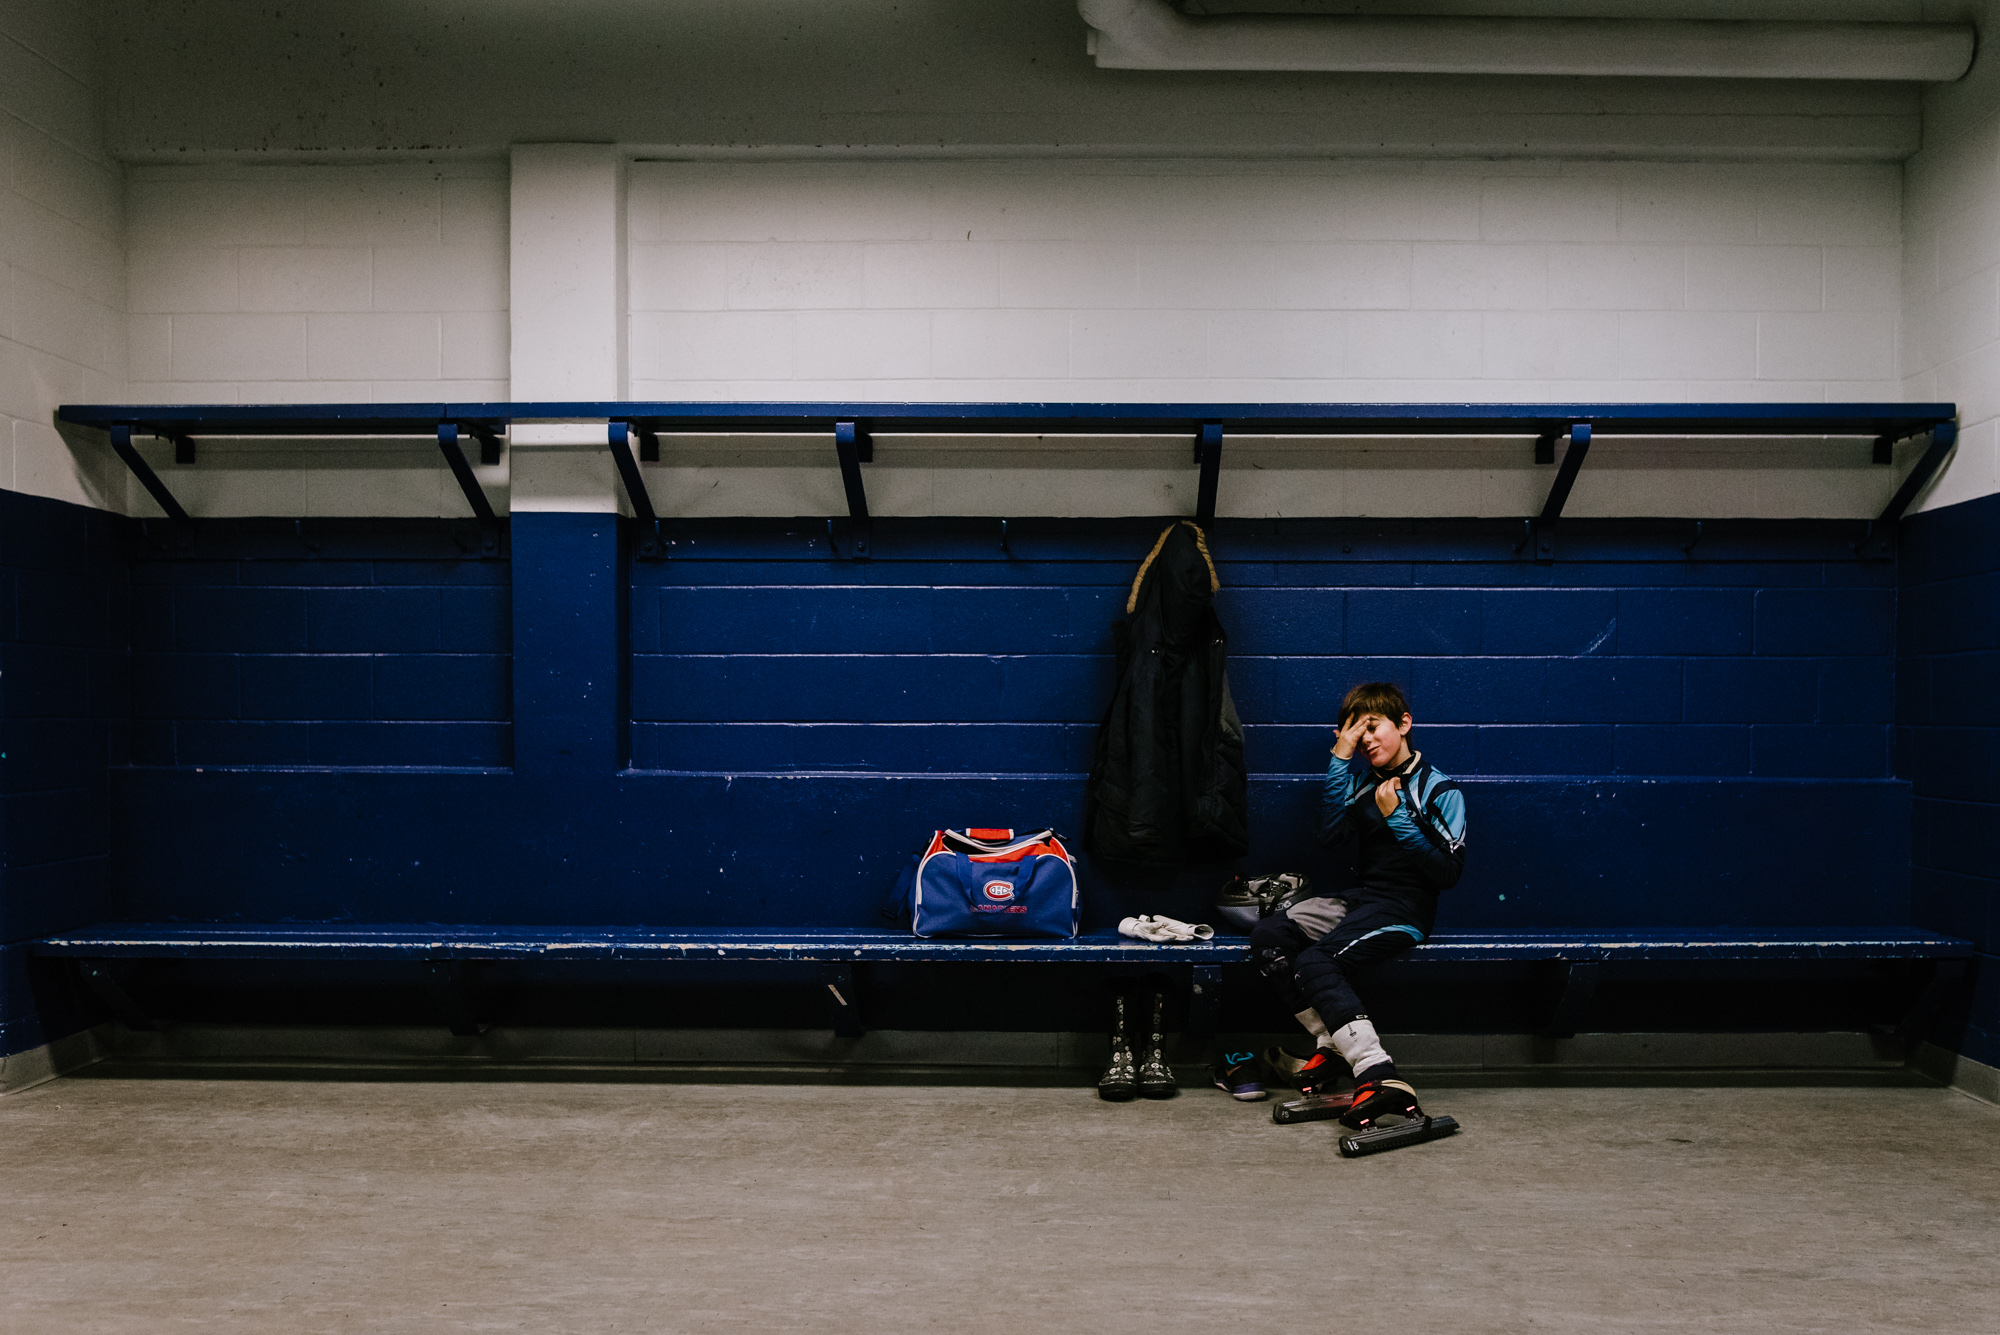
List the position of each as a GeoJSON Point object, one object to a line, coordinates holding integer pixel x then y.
{"type": "Point", "coordinates": [851, 425]}
{"type": "Point", "coordinates": [1528, 419]}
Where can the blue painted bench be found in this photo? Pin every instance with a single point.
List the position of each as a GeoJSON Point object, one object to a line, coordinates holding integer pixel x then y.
{"type": "Point", "coordinates": [448, 950]}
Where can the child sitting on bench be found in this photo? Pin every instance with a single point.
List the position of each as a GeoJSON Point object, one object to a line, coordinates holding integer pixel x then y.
{"type": "Point", "coordinates": [1409, 822]}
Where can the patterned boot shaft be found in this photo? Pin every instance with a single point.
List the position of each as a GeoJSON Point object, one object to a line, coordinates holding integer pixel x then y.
{"type": "Point", "coordinates": [1156, 1078]}
{"type": "Point", "coordinates": [1120, 1081]}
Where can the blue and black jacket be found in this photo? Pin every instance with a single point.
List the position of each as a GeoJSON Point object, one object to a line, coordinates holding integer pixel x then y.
{"type": "Point", "coordinates": [1407, 857]}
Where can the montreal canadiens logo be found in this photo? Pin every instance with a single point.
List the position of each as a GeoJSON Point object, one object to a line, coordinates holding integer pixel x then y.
{"type": "Point", "coordinates": [1001, 890]}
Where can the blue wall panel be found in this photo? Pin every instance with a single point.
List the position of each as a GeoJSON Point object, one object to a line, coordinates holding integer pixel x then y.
{"type": "Point", "coordinates": [820, 850]}
{"type": "Point", "coordinates": [346, 723]}
{"type": "Point", "coordinates": [64, 704]}
{"type": "Point", "coordinates": [568, 611]}
{"type": "Point", "coordinates": [1606, 688]}
{"type": "Point", "coordinates": [1686, 622]}
{"type": "Point", "coordinates": [374, 653]}
{"type": "Point", "coordinates": [1948, 742]}
{"type": "Point", "coordinates": [1777, 627]}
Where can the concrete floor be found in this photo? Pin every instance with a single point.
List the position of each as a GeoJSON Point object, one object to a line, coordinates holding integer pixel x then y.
{"type": "Point", "coordinates": [251, 1205]}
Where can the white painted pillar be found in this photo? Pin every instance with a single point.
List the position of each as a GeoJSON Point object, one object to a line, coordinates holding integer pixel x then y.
{"type": "Point", "coordinates": [566, 238]}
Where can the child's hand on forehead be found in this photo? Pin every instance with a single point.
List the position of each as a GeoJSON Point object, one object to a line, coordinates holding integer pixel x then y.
{"type": "Point", "coordinates": [1378, 737]}
{"type": "Point", "coordinates": [1349, 735]}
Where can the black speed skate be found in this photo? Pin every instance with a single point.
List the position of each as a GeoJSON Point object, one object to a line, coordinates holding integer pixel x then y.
{"type": "Point", "coordinates": [1318, 1079]}
{"type": "Point", "coordinates": [1383, 1114]}
{"type": "Point", "coordinates": [1378, 1096]}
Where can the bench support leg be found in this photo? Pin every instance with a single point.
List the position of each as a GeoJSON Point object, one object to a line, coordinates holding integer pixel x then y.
{"type": "Point", "coordinates": [1204, 1001]}
{"type": "Point", "coordinates": [844, 982]}
{"type": "Point", "coordinates": [116, 999]}
{"type": "Point", "coordinates": [1579, 984]}
{"type": "Point", "coordinates": [1941, 978]}
{"type": "Point", "coordinates": [452, 991]}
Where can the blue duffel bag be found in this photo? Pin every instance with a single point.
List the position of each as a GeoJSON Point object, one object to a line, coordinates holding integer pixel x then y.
{"type": "Point", "coordinates": [986, 882]}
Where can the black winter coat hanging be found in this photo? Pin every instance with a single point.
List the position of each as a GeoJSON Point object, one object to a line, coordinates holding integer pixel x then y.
{"type": "Point", "coordinates": [1167, 787]}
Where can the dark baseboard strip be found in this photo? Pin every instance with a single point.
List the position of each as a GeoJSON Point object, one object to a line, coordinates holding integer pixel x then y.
{"type": "Point", "coordinates": [64, 1056]}
{"type": "Point", "coordinates": [909, 1057]}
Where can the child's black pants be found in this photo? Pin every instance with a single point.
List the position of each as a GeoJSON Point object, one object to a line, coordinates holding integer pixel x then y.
{"type": "Point", "coordinates": [1321, 974]}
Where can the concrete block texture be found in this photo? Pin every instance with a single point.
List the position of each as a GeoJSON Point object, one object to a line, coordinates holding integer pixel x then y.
{"type": "Point", "coordinates": [1612, 278]}
{"type": "Point", "coordinates": [1323, 276]}
{"type": "Point", "coordinates": [239, 347]}
{"type": "Point", "coordinates": [1950, 308]}
{"type": "Point", "coordinates": [1480, 277]}
{"type": "Point", "coordinates": [184, 279]}
{"type": "Point", "coordinates": [386, 276]}
{"type": "Point", "coordinates": [1837, 345]}
{"type": "Point", "coordinates": [69, 182]}
{"type": "Point", "coordinates": [1861, 278]}
{"type": "Point", "coordinates": [319, 278]}
{"type": "Point", "coordinates": [1754, 278]}
{"type": "Point", "coordinates": [382, 346]}
{"type": "Point", "coordinates": [56, 97]}
{"type": "Point", "coordinates": [1044, 280]}
{"type": "Point", "coordinates": [566, 232]}
{"type": "Point", "coordinates": [62, 272]}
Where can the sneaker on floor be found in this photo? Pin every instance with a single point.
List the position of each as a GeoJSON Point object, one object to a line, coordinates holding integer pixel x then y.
{"type": "Point", "coordinates": [1240, 1076]}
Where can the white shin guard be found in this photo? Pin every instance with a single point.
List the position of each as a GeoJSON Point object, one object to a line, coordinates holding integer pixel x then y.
{"type": "Point", "coordinates": [1315, 1026]}
{"type": "Point", "coordinates": [1359, 1044]}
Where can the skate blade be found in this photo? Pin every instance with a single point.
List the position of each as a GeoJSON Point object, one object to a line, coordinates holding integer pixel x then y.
{"type": "Point", "coordinates": [1318, 1108]}
{"type": "Point", "coordinates": [1413, 1132]}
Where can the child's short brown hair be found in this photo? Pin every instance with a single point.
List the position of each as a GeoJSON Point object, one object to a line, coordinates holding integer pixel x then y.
{"type": "Point", "coordinates": [1375, 697]}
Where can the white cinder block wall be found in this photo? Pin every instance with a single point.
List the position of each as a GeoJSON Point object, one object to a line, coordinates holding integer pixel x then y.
{"type": "Point", "coordinates": [293, 284]}
{"type": "Point", "coordinates": [301, 284]}
{"type": "Point", "coordinates": [1216, 281]}
{"type": "Point", "coordinates": [1950, 326]}
{"type": "Point", "coordinates": [1370, 281]}
{"type": "Point", "coordinates": [1005, 278]}
{"type": "Point", "coordinates": [1038, 280]}
{"type": "Point", "coordinates": [1022, 278]}
{"type": "Point", "coordinates": [61, 261]}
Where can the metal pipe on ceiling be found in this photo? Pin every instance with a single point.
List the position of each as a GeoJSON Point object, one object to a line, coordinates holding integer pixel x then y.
{"type": "Point", "coordinates": [1153, 35]}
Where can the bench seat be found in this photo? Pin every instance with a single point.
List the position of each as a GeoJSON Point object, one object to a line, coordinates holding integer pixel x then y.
{"type": "Point", "coordinates": [1578, 956]}
{"type": "Point", "coordinates": [856, 945]}
{"type": "Point", "coordinates": [405, 941]}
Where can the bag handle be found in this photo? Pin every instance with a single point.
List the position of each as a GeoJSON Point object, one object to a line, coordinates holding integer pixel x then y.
{"type": "Point", "coordinates": [988, 840]}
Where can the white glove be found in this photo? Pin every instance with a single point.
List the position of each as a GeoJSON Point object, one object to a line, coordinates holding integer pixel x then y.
{"type": "Point", "coordinates": [1163, 930]}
